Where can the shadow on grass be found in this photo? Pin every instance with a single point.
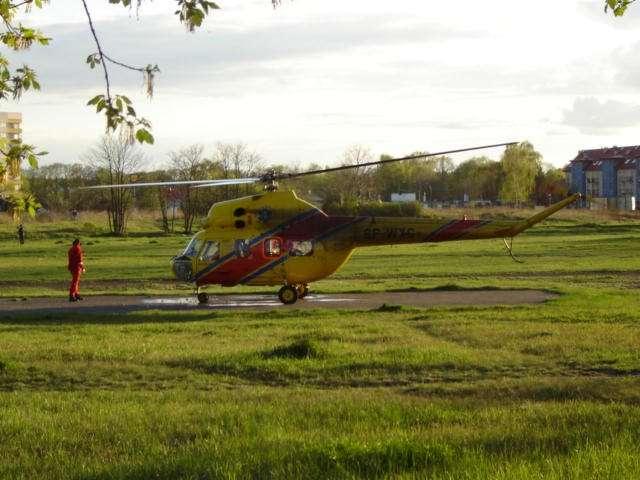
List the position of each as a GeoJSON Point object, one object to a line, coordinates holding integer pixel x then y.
{"type": "Point", "coordinates": [454, 287]}
{"type": "Point", "coordinates": [603, 389]}
{"type": "Point", "coordinates": [303, 348]}
{"type": "Point", "coordinates": [267, 458]}
{"type": "Point", "coordinates": [291, 366]}
{"type": "Point", "coordinates": [119, 318]}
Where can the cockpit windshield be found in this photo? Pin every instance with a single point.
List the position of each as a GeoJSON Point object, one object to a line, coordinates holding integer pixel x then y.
{"type": "Point", "coordinates": [193, 247]}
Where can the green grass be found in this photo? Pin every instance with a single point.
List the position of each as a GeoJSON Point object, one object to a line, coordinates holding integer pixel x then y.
{"type": "Point", "coordinates": [519, 392]}
{"type": "Point", "coordinates": [556, 254]}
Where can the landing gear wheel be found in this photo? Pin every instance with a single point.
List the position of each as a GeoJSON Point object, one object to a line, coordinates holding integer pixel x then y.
{"type": "Point", "coordinates": [203, 298]}
{"type": "Point", "coordinates": [303, 290]}
{"type": "Point", "coordinates": [288, 295]}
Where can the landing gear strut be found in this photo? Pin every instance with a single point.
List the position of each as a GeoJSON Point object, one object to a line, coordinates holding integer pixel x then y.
{"type": "Point", "coordinates": [303, 290]}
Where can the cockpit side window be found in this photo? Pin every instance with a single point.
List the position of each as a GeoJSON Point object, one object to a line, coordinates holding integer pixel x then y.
{"type": "Point", "coordinates": [301, 248]}
{"type": "Point", "coordinates": [193, 247]}
{"type": "Point", "coordinates": [210, 251]}
{"type": "Point", "coordinates": [242, 249]}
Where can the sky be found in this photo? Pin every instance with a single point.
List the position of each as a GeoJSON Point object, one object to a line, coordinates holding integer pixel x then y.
{"type": "Point", "coordinates": [301, 83]}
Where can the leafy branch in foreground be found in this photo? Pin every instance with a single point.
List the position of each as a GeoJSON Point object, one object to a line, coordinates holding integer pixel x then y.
{"type": "Point", "coordinates": [17, 37]}
{"type": "Point", "coordinates": [21, 203]}
{"type": "Point", "coordinates": [618, 7]}
{"type": "Point", "coordinates": [13, 84]}
{"type": "Point", "coordinates": [119, 112]}
{"type": "Point", "coordinates": [14, 154]}
{"type": "Point", "coordinates": [118, 109]}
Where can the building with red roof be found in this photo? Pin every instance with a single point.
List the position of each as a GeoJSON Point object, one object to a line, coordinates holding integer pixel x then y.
{"type": "Point", "coordinates": [606, 176]}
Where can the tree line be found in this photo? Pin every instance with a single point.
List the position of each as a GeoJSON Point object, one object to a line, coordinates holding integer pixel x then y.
{"type": "Point", "coordinates": [120, 114]}
{"type": "Point", "coordinates": [518, 178]}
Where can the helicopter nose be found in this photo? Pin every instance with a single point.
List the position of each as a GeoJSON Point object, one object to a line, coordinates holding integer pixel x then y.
{"type": "Point", "coordinates": [182, 267]}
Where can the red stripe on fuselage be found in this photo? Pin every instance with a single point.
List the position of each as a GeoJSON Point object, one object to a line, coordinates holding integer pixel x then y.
{"type": "Point", "coordinates": [455, 230]}
{"type": "Point", "coordinates": [235, 269]}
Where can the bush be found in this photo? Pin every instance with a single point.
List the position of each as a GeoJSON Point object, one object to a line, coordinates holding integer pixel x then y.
{"type": "Point", "coordinates": [303, 348]}
{"type": "Point", "coordinates": [376, 209]}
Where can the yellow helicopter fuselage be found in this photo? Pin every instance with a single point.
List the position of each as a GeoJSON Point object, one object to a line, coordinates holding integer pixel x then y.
{"type": "Point", "coordinates": [276, 238]}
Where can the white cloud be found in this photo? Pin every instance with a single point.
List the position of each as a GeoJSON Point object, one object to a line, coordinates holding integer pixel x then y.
{"type": "Point", "coordinates": [591, 115]}
{"type": "Point", "coordinates": [302, 82]}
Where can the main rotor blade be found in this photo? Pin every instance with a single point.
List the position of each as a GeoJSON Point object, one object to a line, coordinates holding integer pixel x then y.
{"type": "Point", "coordinates": [203, 183]}
{"type": "Point", "coordinates": [283, 176]}
{"type": "Point", "coordinates": [230, 181]}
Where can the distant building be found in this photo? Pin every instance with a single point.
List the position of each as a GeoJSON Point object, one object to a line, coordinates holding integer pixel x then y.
{"type": "Point", "coordinates": [403, 197]}
{"type": "Point", "coordinates": [11, 125]}
{"type": "Point", "coordinates": [11, 130]}
{"type": "Point", "coordinates": [606, 177]}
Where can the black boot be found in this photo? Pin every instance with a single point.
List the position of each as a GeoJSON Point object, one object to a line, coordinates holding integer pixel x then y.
{"type": "Point", "coordinates": [79, 298]}
{"type": "Point", "coordinates": [73, 299]}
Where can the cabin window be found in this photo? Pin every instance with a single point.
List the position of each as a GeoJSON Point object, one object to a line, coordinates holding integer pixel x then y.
{"type": "Point", "coordinates": [272, 247]}
{"type": "Point", "coordinates": [192, 248]}
{"type": "Point", "coordinates": [211, 251]}
{"type": "Point", "coordinates": [301, 249]}
{"type": "Point", "coordinates": [241, 247]}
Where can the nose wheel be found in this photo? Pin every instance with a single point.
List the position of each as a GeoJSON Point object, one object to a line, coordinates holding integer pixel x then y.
{"type": "Point", "coordinates": [203, 298]}
{"type": "Point", "coordinates": [289, 294]}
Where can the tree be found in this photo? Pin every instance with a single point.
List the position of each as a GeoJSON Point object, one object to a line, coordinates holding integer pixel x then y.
{"type": "Point", "coordinates": [12, 155]}
{"type": "Point", "coordinates": [413, 176]}
{"type": "Point", "coordinates": [120, 115]}
{"type": "Point", "coordinates": [116, 159]}
{"type": "Point", "coordinates": [118, 110]}
{"type": "Point", "coordinates": [236, 160]}
{"type": "Point", "coordinates": [56, 186]}
{"type": "Point", "coordinates": [441, 186]}
{"type": "Point", "coordinates": [551, 185]}
{"type": "Point", "coordinates": [356, 184]}
{"type": "Point", "coordinates": [520, 166]}
{"type": "Point", "coordinates": [188, 164]}
{"type": "Point", "coordinates": [478, 178]}
{"type": "Point", "coordinates": [392, 178]}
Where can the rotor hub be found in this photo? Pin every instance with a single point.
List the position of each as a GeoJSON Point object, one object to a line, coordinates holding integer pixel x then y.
{"type": "Point", "coordinates": [270, 181]}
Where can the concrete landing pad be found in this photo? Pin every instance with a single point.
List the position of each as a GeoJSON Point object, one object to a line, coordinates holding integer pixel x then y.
{"type": "Point", "coordinates": [356, 301]}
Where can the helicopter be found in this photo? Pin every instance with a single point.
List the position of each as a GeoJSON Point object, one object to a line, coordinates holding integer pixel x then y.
{"type": "Point", "coordinates": [276, 238]}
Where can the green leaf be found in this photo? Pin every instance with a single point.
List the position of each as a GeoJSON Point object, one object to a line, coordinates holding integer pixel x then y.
{"type": "Point", "coordinates": [95, 100]}
{"type": "Point", "coordinates": [33, 160]}
{"type": "Point", "coordinates": [144, 136]}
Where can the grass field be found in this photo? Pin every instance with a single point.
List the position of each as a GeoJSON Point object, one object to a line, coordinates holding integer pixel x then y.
{"type": "Point", "coordinates": [542, 391]}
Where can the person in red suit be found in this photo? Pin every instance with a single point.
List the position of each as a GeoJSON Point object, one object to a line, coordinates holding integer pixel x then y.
{"type": "Point", "coordinates": [76, 267]}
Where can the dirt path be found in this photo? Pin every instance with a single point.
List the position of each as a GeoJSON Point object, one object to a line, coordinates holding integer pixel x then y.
{"type": "Point", "coordinates": [358, 301]}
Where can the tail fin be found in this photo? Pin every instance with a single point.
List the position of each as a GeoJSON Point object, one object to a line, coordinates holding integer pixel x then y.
{"type": "Point", "coordinates": [521, 226]}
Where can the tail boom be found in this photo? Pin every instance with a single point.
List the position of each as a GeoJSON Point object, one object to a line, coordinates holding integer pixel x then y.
{"type": "Point", "coordinates": [388, 231]}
